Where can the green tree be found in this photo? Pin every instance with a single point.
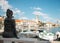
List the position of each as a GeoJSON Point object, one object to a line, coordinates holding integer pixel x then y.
{"type": "Point", "coordinates": [0, 24]}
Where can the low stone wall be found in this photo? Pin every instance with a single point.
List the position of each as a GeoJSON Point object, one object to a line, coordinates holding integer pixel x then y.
{"type": "Point", "coordinates": [1, 41]}
{"type": "Point", "coordinates": [21, 40]}
{"type": "Point", "coordinates": [55, 42]}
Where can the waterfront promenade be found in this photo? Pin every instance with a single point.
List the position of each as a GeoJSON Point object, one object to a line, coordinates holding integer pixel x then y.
{"type": "Point", "coordinates": [25, 40]}
{"type": "Point", "coordinates": [21, 40]}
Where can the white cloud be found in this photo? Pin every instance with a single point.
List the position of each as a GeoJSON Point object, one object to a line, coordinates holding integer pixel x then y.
{"type": "Point", "coordinates": [33, 19]}
{"type": "Point", "coordinates": [4, 5]}
{"type": "Point", "coordinates": [37, 13]}
{"type": "Point", "coordinates": [36, 8]}
{"type": "Point", "coordinates": [45, 16]}
{"type": "Point", "coordinates": [24, 17]}
{"type": "Point", "coordinates": [17, 11]}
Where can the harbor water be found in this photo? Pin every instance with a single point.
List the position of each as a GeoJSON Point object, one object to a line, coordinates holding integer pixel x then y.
{"type": "Point", "coordinates": [54, 30]}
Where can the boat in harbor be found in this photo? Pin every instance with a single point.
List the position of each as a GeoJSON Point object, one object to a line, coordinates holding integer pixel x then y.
{"type": "Point", "coordinates": [46, 36]}
{"type": "Point", "coordinates": [36, 34]}
{"type": "Point", "coordinates": [28, 34]}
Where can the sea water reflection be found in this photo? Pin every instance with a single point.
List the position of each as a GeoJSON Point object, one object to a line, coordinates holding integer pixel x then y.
{"type": "Point", "coordinates": [54, 30]}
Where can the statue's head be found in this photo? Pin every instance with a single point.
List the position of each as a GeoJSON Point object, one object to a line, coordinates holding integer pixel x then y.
{"type": "Point", "coordinates": [9, 13]}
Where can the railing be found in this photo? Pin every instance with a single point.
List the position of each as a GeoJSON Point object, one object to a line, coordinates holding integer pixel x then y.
{"type": "Point", "coordinates": [21, 40]}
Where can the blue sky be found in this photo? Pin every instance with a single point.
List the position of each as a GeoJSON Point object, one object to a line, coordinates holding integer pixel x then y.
{"type": "Point", "coordinates": [48, 10]}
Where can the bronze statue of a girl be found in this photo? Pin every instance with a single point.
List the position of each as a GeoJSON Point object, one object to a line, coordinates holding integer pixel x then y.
{"type": "Point", "coordinates": [9, 26]}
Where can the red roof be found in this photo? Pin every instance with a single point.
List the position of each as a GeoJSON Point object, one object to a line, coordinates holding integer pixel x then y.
{"type": "Point", "coordinates": [18, 20]}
